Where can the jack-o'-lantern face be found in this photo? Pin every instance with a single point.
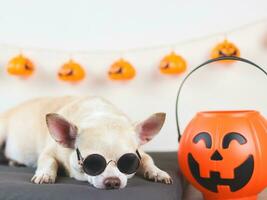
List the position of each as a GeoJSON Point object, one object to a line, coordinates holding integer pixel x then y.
{"type": "Point", "coordinates": [172, 64]}
{"type": "Point", "coordinates": [223, 153]}
{"type": "Point", "coordinates": [237, 176]}
{"type": "Point", "coordinates": [121, 70]}
{"type": "Point", "coordinates": [224, 49]}
{"type": "Point", "coordinates": [20, 66]}
{"type": "Point", "coordinates": [71, 72]}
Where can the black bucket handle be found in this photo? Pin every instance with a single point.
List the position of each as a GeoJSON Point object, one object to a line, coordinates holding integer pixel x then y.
{"type": "Point", "coordinates": [201, 66]}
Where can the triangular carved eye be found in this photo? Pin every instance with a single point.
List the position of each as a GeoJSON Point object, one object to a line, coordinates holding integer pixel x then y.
{"type": "Point", "coordinates": [119, 71]}
{"type": "Point", "coordinates": [233, 136]}
{"type": "Point", "coordinates": [234, 53]}
{"type": "Point", "coordinates": [205, 137]}
{"type": "Point", "coordinates": [70, 73]}
{"type": "Point", "coordinates": [27, 67]}
{"type": "Point", "coordinates": [166, 66]}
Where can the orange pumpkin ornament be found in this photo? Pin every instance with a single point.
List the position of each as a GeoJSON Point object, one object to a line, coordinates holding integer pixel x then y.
{"type": "Point", "coordinates": [121, 70]}
{"type": "Point", "coordinates": [223, 153]}
{"type": "Point", "coordinates": [71, 72]}
{"type": "Point", "coordinates": [20, 66]}
{"type": "Point", "coordinates": [224, 49]}
{"type": "Point", "coordinates": [172, 64]}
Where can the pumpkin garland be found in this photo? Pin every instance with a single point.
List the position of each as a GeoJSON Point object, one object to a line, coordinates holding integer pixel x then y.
{"type": "Point", "coordinates": [71, 71]}
{"type": "Point", "coordinates": [20, 66]}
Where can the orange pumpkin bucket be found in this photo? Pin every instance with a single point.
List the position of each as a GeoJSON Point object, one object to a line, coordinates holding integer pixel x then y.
{"type": "Point", "coordinates": [224, 153]}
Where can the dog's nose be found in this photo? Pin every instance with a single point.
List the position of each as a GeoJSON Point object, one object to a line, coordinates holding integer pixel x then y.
{"type": "Point", "coordinates": [112, 183]}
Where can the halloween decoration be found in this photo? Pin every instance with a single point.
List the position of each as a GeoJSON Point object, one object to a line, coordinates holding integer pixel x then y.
{"type": "Point", "coordinates": [121, 70]}
{"type": "Point", "coordinates": [71, 72]}
{"type": "Point", "coordinates": [223, 153]}
{"type": "Point", "coordinates": [224, 49]}
{"type": "Point", "coordinates": [20, 66]}
{"type": "Point", "coordinates": [172, 64]}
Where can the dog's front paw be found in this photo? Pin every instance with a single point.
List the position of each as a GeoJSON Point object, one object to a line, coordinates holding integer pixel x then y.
{"type": "Point", "coordinates": [43, 178]}
{"type": "Point", "coordinates": [158, 175]}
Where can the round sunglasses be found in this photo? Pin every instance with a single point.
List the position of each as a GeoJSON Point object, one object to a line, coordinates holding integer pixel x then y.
{"type": "Point", "coordinates": [95, 164]}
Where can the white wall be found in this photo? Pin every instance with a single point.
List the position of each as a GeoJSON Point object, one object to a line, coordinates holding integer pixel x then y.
{"type": "Point", "coordinates": [119, 24]}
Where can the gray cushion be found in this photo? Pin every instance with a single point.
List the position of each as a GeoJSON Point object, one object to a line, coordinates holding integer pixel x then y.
{"type": "Point", "coordinates": [15, 184]}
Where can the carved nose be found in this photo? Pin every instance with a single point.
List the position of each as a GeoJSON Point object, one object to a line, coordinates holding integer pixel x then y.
{"type": "Point", "coordinates": [112, 183]}
{"type": "Point", "coordinates": [216, 156]}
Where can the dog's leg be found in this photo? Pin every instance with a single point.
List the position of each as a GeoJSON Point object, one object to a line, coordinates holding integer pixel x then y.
{"type": "Point", "coordinates": [151, 172]}
{"type": "Point", "coordinates": [46, 171]}
{"type": "Point", "coordinates": [3, 135]}
{"type": "Point", "coordinates": [2, 131]}
{"type": "Point", "coordinates": [14, 163]}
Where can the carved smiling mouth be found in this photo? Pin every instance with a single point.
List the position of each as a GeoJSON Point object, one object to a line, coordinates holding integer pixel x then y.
{"type": "Point", "coordinates": [221, 53]}
{"type": "Point", "coordinates": [69, 73]}
{"type": "Point", "coordinates": [242, 174]}
{"type": "Point", "coordinates": [118, 71]}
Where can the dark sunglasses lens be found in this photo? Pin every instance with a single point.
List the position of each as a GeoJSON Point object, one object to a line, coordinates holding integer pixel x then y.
{"type": "Point", "coordinates": [128, 163]}
{"type": "Point", "coordinates": [94, 164]}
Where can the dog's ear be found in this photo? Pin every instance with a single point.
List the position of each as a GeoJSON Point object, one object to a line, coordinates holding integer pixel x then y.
{"type": "Point", "coordinates": [147, 129]}
{"type": "Point", "coordinates": [61, 130]}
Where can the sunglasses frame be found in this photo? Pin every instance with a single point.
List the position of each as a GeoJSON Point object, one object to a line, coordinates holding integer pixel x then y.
{"type": "Point", "coordinates": [81, 159]}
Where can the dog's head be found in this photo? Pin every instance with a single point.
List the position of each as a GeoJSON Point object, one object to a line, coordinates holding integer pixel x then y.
{"type": "Point", "coordinates": [108, 150]}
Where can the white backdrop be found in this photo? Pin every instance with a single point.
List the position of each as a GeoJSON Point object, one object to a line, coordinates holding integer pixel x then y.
{"type": "Point", "coordinates": [119, 24]}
